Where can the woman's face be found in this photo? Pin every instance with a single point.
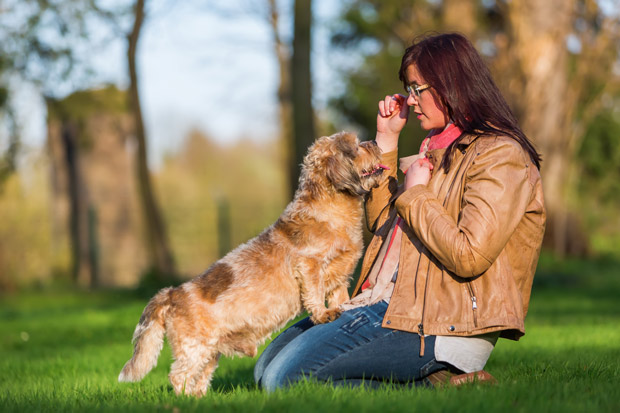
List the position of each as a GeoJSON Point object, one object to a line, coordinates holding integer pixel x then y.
{"type": "Point", "coordinates": [427, 107]}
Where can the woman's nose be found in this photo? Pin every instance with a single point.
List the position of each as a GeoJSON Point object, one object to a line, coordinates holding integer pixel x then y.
{"type": "Point", "coordinates": [411, 100]}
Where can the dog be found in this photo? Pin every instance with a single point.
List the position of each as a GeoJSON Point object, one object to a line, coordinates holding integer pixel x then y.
{"type": "Point", "coordinates": [304, 258]}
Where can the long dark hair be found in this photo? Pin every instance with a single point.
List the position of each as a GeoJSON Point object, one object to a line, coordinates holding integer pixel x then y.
{"type": "Point", "coordinates": [463, 83]}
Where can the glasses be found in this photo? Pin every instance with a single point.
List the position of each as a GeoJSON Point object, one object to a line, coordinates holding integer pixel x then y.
{"type": "Point", "coordinates": [417, 90]}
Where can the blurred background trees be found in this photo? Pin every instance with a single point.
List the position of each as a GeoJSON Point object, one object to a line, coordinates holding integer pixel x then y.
{"type": "Point", "coordinates": [87, 207]}
{"type": "Point", "coordinates": [556, 62]}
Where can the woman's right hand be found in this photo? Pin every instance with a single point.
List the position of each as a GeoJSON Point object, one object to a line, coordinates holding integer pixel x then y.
{"type": "Point", "coordinates": [391, 119]}
{"type": "Point", "coordinates": [419, 173]}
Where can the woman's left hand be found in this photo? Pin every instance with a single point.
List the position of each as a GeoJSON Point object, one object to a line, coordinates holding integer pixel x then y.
{"type": "Point", "coordinates": [419, 173]}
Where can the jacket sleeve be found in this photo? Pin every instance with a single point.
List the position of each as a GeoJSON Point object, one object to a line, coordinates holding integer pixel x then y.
{"type": "Point", "coordinates": [495, 198]}
{"type": "Point", "coordinates": [379, 198]}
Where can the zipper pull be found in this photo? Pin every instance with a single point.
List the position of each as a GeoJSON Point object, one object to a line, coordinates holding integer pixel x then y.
{"type": "Point", "coordinates": [421, 334]}
{"type": "Point", "coordinates": [474, 305]}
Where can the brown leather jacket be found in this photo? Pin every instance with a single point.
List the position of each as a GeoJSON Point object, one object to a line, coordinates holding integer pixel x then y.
{"type": "Point", "coordinates": [472, 244]}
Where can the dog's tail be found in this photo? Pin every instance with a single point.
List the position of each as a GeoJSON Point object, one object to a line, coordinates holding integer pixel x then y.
{"type": "Point", "coordinates": [148, 338]}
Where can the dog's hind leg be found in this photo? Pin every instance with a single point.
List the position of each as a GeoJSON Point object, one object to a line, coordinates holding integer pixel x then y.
{"type": "Point", "coordinates": [189, 361]}
{"type": "Point", "coordinates": [203, 379]}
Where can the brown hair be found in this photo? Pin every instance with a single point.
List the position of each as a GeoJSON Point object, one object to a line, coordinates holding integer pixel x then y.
{"type": "Point", "coordinates": [463, 83]}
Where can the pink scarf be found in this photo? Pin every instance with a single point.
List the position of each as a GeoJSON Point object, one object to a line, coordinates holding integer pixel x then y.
{"type": "Point", "coordinates": [434, 140]}
{"type": "Point", "coordinates": [441, 140]}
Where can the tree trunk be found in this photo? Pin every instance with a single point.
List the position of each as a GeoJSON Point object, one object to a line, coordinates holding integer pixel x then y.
{"type": "Point", "coordinates": [303, 115]}
{"type": "Point", "coordinates": [9, 157]}
{"type": "Point", "coordinates": [83, 253]}
{"type": "Point", "coordinates": [284, 98]}
{"type": "Point", "coordinates": [159, 252]}
{"type": "Point", "coordinates": [546, 102]}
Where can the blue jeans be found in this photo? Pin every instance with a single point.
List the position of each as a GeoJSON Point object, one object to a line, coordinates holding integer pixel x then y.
{"type": "Point", "coordinates": [351, 350]}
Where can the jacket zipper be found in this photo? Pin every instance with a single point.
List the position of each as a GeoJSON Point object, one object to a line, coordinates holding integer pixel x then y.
{"type": "Point", "coordinates": [421, 334]}
{"type": "Point", "coordinates": [421, 325]}
{"type": "Point", "coordinates": [474, 303]}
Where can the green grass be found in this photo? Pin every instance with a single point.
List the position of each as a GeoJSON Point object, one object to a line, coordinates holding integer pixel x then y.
{"type": "Point", "coordinates": [62, 351]}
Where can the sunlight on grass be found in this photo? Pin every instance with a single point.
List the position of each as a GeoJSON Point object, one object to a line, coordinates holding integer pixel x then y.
{"type": "Point", "coordinates": [63, 352]}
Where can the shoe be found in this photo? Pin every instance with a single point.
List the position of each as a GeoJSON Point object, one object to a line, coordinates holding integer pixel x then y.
{"type": "Point", "coordinates": [444, 377]}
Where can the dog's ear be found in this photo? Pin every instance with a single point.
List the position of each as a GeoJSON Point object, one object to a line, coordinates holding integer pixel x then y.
{"type": "Point", "coordinates": [340, 174]}
{"type": "Point", "coordinates": [347, 144]}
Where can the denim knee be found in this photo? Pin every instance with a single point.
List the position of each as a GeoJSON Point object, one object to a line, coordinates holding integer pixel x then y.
{"type": "Point", "coordinates": [275, 376]}
{"type": "Point", "coordinates": [277, 345]}
{"type": "Point", "coordinates": [259, 371]}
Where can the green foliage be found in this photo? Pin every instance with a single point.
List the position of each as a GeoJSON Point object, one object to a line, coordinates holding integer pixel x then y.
{"type": "Point", "coordinates": [195, 183]}
{"type": "Point", "coordinates": [26, 251]}
{"type": "Point", "coordinates": [62, 351]}
{"type": "Point", "coordinates": [40, 38]}
{"type": "Point", "coordinates": [599, 183]}
{"type": "Point", "coordinates": [4, 96]}
{"type": "Point", "coordinates": [600, 158]}
{"type": "Point", "coordinates": [372, 38]}
{"type": "Point", "coordinates": [80, 107]}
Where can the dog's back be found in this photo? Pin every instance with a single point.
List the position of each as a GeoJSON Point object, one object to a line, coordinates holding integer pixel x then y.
{"type": "Point", "coordinates": [249, 293]}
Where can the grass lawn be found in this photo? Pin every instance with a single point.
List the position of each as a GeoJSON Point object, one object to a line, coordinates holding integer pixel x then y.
{"type": "Point", "coordinates": [62, 351]}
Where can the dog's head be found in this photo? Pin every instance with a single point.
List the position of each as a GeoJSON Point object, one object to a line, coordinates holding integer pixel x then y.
{"type": "Point", "coordinates": [341, 162]}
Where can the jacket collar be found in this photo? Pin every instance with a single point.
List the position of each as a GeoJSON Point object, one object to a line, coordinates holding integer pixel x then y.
{"type": "Point", "coordinates": [468, 139]}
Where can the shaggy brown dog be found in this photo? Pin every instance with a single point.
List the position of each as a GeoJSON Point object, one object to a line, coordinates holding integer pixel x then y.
{"type": "Point", "coordinates": [300, 261]}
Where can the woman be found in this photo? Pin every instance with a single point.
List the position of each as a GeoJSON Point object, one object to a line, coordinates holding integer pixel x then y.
{"type": "Point", "coordinates": [451, 263]}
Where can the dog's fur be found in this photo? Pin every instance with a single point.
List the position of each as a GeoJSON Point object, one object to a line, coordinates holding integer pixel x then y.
{"type": "Point", "coordinates": [304, 258]}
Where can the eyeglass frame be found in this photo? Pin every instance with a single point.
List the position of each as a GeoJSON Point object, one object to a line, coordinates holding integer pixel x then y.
{"type": "Point", "coordinates": [417, 90]}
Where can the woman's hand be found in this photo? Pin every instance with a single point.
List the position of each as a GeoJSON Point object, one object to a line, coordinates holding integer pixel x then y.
{"type": "Point", "coordinates": [391, 119]}
{"type": "Point", "coordinates": [419, 173]}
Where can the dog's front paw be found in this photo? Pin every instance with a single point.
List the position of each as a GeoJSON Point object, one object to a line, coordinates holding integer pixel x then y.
{"type": "Point", "coordinates": [325, 316]}
{"type": "Point", "coordinates": [333, 313]}
{"type": "Point", "coordinates": [319, 317]}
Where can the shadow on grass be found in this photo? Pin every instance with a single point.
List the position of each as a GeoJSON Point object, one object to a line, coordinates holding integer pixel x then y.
{"type": "Point", "coordinates": [234, 380]}
{"type": "Point", "coordinates": [596, 274]}
{"type": "Point", "coordinates": [574, 291]}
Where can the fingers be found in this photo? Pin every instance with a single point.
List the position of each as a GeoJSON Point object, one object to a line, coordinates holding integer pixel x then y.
{"type": "Point", "coordinates": [391, 104]}
{"type": "Point", "coordinates": [419, 173]}
{"type": "Point", "coordinates": [421, 163]}
{"type": "Point", "coordinates": [424, 162]}
{"type": "Point", "coordinates": [382, 110]}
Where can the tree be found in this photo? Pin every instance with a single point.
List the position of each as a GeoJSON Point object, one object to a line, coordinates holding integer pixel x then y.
{"type": "Point", "coordinates": [159, 250]}
{"type": "Point", "coordinates": [29, 53]}
{"type": "Point", "coordinates": [283, 56]}
{"type": "Point", "coordinates": [25, 53]}
{"type": "Point", "coordinates": [303, 115]}
{"type": "Point", "coordinates": [37, 59]}
{"type": "Point", "coordinates": [558, 93]}
{"type": "Point", "coordinates": [295, 87]}
{"type": "Point", "coordinates": [90, 170]}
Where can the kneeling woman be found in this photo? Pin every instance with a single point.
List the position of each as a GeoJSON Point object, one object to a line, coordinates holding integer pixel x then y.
{"type": "Point", "coordinates": [450, 267]}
